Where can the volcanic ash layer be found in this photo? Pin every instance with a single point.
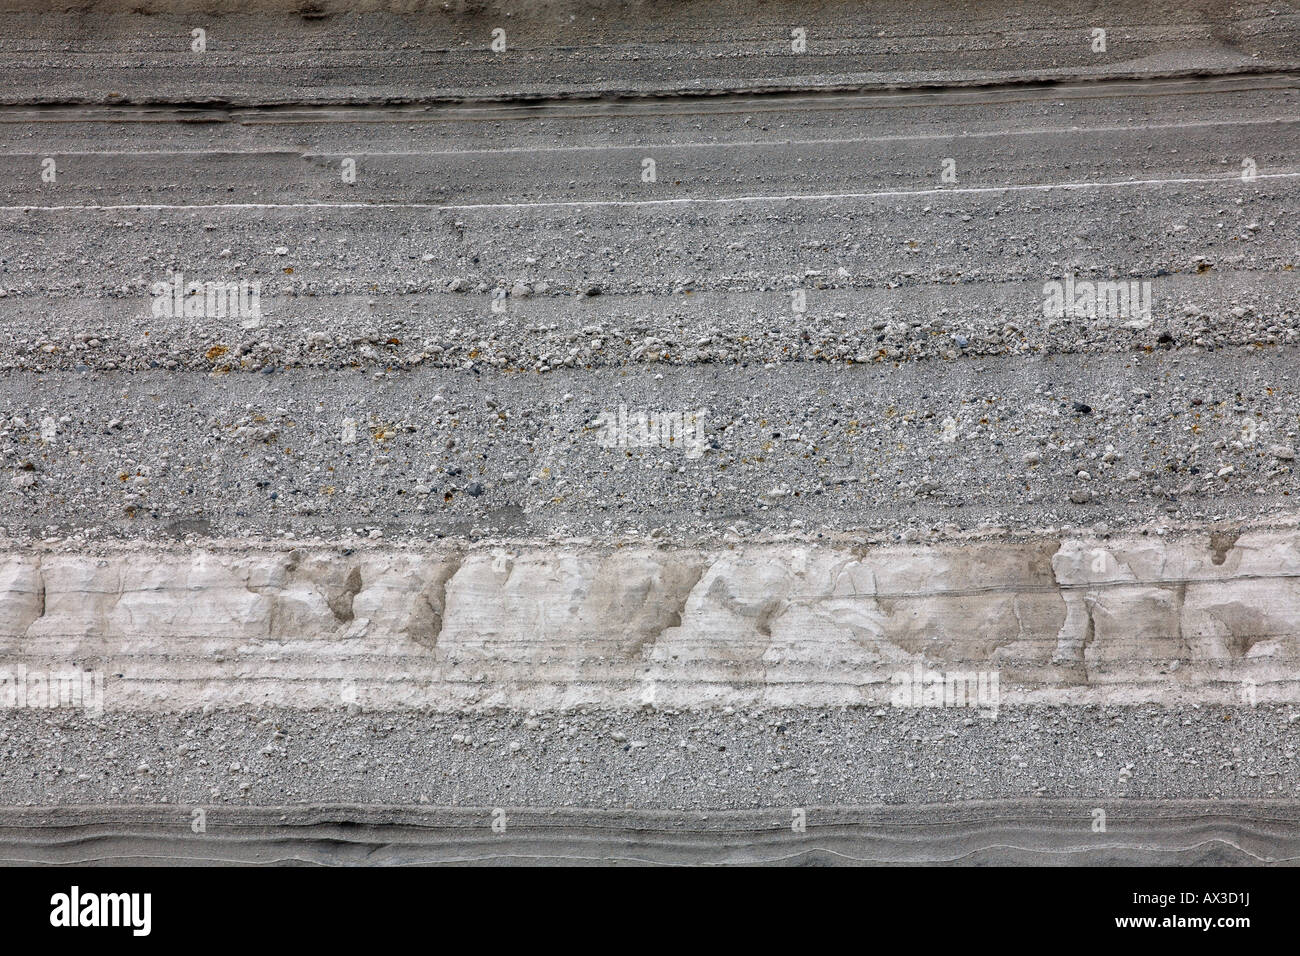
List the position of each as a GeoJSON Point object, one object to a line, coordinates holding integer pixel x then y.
{"type": "Point", "coordinates": [1199, 617]}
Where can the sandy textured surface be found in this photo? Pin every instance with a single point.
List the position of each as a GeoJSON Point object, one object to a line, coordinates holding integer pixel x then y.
{"type": "Point", "coordinates": [326, 51]}
{"type": "Point", "coordinates": [650, 430]}
{"type": "Point", "coordinates": [1032, 833]}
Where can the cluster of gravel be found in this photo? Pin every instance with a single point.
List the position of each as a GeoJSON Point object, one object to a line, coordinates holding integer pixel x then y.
{"type": "Point", "coordinates": [722, 759]}
{"type": "Point", "coordinates": [1018, 443]}
{"type": "Point", "coordinates": [841, 327]}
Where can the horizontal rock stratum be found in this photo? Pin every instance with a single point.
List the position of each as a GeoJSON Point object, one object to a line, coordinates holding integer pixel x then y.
{"type": "Point", "coordinates": [1191, 617]}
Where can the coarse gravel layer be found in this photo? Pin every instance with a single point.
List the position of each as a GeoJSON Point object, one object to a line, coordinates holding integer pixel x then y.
{"type": "Point", "coordinates": [650, 759]}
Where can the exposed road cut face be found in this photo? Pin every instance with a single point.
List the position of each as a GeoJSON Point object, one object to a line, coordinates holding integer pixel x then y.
{"type": "Point", "coordinates": [652, 420]}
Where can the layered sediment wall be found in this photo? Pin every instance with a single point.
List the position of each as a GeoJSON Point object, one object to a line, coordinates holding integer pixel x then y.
{"type": "Point", "coordinates": [331, 339]}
